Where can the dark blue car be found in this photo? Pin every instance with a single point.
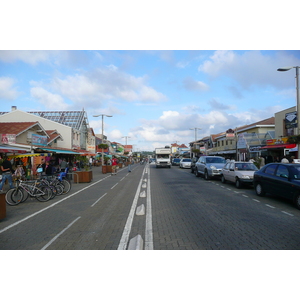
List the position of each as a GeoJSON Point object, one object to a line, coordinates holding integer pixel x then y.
{"type": "Point", "coordinates": [279, 179]}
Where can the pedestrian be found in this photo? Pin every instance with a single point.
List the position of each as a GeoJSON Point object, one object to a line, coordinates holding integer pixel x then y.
{"type": "Point", "coordinates": [262, 161]}
{"type": "Point", "coordinates": [63, 165]}
{"type": "Point", "coordinates": [114, 163]}
{"type": "Point", "coordinates": [285, 160]}
{"type": "Point", "coordinates": [129, 164]}
{"type": "Point", "coordinates": [48, 169]}
{"type": "Point", "coordinates": [7, 170]}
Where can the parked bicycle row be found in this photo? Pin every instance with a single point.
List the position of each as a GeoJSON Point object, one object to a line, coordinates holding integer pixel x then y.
{"type": "Point", "coordinates": [42, 189]}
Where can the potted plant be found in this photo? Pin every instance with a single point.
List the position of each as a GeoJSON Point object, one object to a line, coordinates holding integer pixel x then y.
{"type": "Point", "coordinates": [85, 175]}
{"type": "Point", "coordinates": [104, 166]}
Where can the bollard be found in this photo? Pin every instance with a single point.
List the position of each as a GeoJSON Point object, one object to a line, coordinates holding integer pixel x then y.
{"type": "Point", "coordinates": [2, 206]}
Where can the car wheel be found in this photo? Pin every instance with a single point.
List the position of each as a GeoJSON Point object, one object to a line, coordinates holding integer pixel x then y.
{"type": "Point", "coordinates": [206, 177]}
{"type": "Point", "coordinates": [238, 183]}
{"type": "Point", "coordinates": [196, 173]}
{"type": "Point", "coordinates": [192, 170]}
{"type": "Point", "coordinates": [297, 200]}
{"type": "Point", "coordinates": [223, 179]}
{"type": "Point", "coordinates": [259, 190]}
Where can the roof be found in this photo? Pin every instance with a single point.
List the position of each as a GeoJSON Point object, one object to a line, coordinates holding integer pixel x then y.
{"type": "Point", "coordinates": [16, 127]}
{"type": "Point", "coordinates": [74, 119]}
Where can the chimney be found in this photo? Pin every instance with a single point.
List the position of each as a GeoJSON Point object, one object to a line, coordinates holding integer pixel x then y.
{"type": "Point", "coordinates": [13, 108]}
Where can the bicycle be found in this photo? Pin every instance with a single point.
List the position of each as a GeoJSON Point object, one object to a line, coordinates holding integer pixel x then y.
{"type": "Point", "coordinates": [24, 189]}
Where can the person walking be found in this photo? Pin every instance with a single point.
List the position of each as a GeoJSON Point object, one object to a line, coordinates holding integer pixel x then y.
{"type": "Point", "coordinates": [129, 164]}
{"type": "Point", "coordinates": [6, 169]}
{"type": "Point", "coordinates": [114, 163]}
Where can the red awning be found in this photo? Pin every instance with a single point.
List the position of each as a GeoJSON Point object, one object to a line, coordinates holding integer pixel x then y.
{"type": "Point", "coordinates": [288, 146]}
{"type": "Point", "coordinates": [4, 149]}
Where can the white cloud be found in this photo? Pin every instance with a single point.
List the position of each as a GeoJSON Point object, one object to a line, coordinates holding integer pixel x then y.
{"type": "Point", "coordinates": [251, 67]}
{"type": "Point", "coordinates": [28, 56]}
{"type": "Point", "coordinates": [105, 84]}
{"type": "Point", "coordinates": [51, 101]}
{"type": "Point", "coordinates": [194, 85]}
{"type": "Point", "coordinates": [7, 92]}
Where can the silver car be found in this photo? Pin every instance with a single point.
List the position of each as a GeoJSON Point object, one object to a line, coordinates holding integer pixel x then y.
{"type": "Point", "coordinates": [238, 172]}
{"type": "Point", "coordinates": [185, 163]}
{"type": "Point", "coordinates": [209, 166]}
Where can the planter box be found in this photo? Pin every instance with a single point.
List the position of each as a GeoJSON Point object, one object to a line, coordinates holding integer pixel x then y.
{"type": "Point", "coordinates": [106, 169]}
{"type": "Point", "coordinates": [83, 176]}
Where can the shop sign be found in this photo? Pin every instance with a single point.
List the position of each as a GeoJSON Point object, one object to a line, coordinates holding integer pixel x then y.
{"type": "Point", "coordinates": [291, 120]}
{"type": "Point", "coordinates": [276, 141]}
{"type": "Point", "coordinates": [254, 148]}
{"type": "Point", "coordinates": [8, 139]}
{"type": "Point", "coordinates": [39, 140]}
{"type": "Point", "coordinates": [242, 143]}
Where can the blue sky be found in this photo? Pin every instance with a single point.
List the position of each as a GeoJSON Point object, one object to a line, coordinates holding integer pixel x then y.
{"type": "Point", "coordinates": [130, 71]}
{"type": "Point", "coordinates": [155, 97]}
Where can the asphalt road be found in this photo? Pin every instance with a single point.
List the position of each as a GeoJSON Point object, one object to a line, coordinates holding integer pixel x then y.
{"type": "Point", "coordinates": [152, 209]}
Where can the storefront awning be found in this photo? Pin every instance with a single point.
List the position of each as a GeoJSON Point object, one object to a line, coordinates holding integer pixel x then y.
{"type": "Point", "coordinates": [60, 151]}
{"type": "Point", "coordinates": [287, 146]}
{"type": "Point", "coordinates": [7, 149]}
{"type": "Point", "coordinates": [29, 155]}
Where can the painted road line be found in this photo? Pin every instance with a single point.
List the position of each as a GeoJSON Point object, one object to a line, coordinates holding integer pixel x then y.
{"type": "Point", "coordinates": [270, 206]}
{"type": "Point", "coordinates": [98, 199]}
{"type": "Point", "coordinates": [149, 230]}
{"type": "Point", "coordinates": [114, 185]}
{"type": "Point", "coordinates": [48, 244]}
{"type": "Point", "coordinates": [50, 206]}
{"type": "Point", "coordinates": [126, 232]}
{"type": "Point", "coordinates": [255, 200]}
{"type": "Point", "coordinates": [287, 213]}
{"type": "Point", "coordinates": [245, 196]}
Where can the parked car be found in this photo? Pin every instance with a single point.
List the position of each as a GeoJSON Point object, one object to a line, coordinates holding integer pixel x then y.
{"type": "Point", "coordinates": [175, 161]}
{"type": "Point", "coordinates": [209, 166]}
{"type": "Point", "coordinates": [185, 163]}
{"type": "Point", "coordinates": [193, 163]}
{"type": "Point", "coordinates": [279, 179]}
{"type": "Point", "coordinates": [238, 172]}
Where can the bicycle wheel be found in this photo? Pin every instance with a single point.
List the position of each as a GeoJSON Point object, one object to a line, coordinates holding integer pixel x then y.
{"type": "Point", "coordinates": [47, 193]}
{"type": "Point", "coordinates": [59, 188]}
{"type": "Point", "coordinates": [14, 197]}
{"type": "Point", "coordinates": [25, 196]}
{"type": "Point", "coordinates": [67, 185]}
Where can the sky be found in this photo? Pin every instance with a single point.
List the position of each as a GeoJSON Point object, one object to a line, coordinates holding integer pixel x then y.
{"type": "Point", "coordinates": [161, 71]}
{"type": "Point", "coordinates": [155, 97]}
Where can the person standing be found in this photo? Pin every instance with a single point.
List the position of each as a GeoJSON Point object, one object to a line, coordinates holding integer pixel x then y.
{"type": "Point", "coordinates": [129, 164]}
{"type": "Point", "coordinates": [63, 165]}
{"type": "Point", "coordinates": [114, 163]}
{"type": "Point", "coordinates": [6, 169]}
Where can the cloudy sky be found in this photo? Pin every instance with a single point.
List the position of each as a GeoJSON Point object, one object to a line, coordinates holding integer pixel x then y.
{"type": "Point", "coordinates": [155, 96]}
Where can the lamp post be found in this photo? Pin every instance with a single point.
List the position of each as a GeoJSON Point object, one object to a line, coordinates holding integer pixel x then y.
{"type": "Point", "coordinates": [103, 115]}
{"type": "Point", "coordinates": [297, 97]}
{"type": "Point", "coordinates": [196, 128]}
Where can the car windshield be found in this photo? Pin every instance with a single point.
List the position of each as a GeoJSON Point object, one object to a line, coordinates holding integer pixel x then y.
{"type": "Point", "coordinates": [245, 167]}
{"type": "Point", "coordinates": [215, 160]}
{"type": "Point", "coordinates": [176, 159]}
{"type": "Point", "coordinates": [296, 172]}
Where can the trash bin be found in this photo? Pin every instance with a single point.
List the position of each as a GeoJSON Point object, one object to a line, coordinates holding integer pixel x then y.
{"type": "Point", "coordinates": [2, 206]}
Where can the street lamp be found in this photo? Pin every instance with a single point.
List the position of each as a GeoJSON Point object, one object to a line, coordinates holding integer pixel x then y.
{"type": "Point", "coordinates": [103, 115]}
{"type": "Point", "coordinates": [297, 97]}
{"type": "Point", "coordinates": [195, 132]}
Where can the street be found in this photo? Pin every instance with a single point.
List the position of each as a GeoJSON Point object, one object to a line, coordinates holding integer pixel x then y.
{"type": "Point", "coordinates": [152, 209]}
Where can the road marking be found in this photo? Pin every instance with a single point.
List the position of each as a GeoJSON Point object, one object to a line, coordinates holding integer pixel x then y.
{"type": "Point", "coordinates": [50, 206]}
{"type": "Point", "coordinates": [287, 213]}
{"type": "Point", "coordinates": [244, 195]}
{"type": "Point", "coordinates": [148, 230]}
{"type": "Point", "coordinates": [126, 232]}
{"type": "Point", "coordinates": [255, 200]}
{"type": "Point", "coordinates": [48, 244]}
{"type": "Point", "coordinates": [98, 199]}
{"type": "Point", "coordinates": [114, 185]}
{"type": "Point", "coordinates": [270, 206]}
{"type": "Point", "coordinates": [228, 189]}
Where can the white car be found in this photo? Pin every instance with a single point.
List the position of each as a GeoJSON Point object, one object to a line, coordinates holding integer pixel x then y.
{"type": "Point", "coordinates": [239, 172]}
{"type": "Point", "coordinates": [185, 163]}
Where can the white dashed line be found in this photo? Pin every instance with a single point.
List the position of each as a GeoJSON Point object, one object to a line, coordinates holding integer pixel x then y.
{"type": "Point", "coordinates": [245, 196]}
{"type": "Point", "coordinates": [287, 213]}
{"type": "Point", "coordinates": [255, 200]}
{"type": "Point", "coordinates": [270, 206]}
